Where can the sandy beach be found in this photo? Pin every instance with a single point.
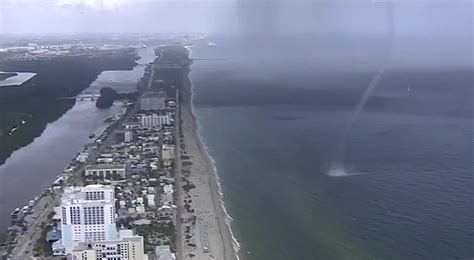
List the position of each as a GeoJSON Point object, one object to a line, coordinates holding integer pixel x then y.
{"type": "Point", "coordinates": [202, 229]}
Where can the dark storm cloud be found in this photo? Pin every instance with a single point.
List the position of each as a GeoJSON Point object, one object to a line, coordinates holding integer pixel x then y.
{"type": "Point", "coordinates": [355, 16]}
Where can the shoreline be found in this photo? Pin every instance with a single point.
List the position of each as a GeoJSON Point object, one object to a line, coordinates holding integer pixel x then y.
{"type": "Point", "coordinates": [216, 179]}
{"type": "Point", "coordinates": [207, 191]}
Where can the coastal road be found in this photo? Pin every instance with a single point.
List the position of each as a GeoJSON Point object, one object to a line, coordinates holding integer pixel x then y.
{"type": "Point", "coordinates": [26, 242]}
{"type": "Point", "coordinates": [179, 202]}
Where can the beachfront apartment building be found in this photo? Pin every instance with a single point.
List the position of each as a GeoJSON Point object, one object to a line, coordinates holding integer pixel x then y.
{"type": "Point", "coordinates": [106, 171]}
{"type": "Point", "coordinates": [87, 215]}
{"type": "Point", "coordinates": [126, 247]}
{"type": "Point", "coordinates": [155, 120]}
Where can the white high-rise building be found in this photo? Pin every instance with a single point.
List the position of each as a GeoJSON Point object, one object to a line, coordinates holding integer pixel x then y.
{"type": "Point", "coordinates": [87, 215]}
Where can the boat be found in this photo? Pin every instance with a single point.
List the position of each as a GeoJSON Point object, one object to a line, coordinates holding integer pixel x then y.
{"type": "Point", "coordinates": [91, 135]}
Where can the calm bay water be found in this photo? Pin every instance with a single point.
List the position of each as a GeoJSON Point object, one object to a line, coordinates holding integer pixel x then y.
{"type": "Point", "coordinates": [31, 169]}
{"type": "Point", "coordinates": [124, 80]}
{"type": "Point", "coordinates": [272, 118]}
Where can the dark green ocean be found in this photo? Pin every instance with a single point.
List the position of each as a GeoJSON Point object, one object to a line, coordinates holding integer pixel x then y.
{"type": "Point", "coordinates": [272, 113]}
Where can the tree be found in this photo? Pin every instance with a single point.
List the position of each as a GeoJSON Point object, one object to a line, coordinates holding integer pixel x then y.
{"type": "Point", "coordinates": [107, 97]}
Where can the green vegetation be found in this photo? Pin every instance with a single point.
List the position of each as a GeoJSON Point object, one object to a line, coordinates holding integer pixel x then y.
{"type": "Point", "coordinates": [188, 186]}
{"type": "Point", "coordinates": [42, 247]}
{"type": "Point", "coordinates": [36, 115]}
{"type": "Point", "coordinates": [51, 215]}
{"type": "Point", "coordinates": [158, 234]}
{"type": "Point", "coordinates": [107, 97]}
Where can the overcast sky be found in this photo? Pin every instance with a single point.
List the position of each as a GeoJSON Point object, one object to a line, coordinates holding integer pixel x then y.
{"type": "Point", "coordinates": [437, 17]}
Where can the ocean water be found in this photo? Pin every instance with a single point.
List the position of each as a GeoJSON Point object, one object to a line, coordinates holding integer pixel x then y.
{"type": "Point", "coordinates": [272, 114]}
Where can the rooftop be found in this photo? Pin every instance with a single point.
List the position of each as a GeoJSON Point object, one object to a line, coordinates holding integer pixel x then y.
{"type": "Point", "coordinates": [76, 195]}
{"type": "Point", "coordinates": [164, 253]}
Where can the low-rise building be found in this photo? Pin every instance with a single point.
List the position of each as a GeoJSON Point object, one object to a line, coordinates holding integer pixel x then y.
{"type": "Point", "coordinates": [151, 200]}
{"type": "Point", "coordinates": [106, 171]}
{"type": "Point", "coordinates": [164, 253]}
{"type": "Point", "coordinates": [167, 152]}
{"type": "Point", "coordinates": [166, 212]}
{"type": "Point", "coordinates": [168, 189]}
{"type": "Point", "coordinates": [53, 235]}
{"type": "Point", "coordinates": [127, 247]}
{"type": "Point", "coordinates": [131, 125]}
{"type": "Point", "coordinates": [82, 157]}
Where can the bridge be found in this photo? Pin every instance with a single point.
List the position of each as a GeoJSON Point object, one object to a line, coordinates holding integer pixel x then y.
{"type": "Point", "coordinates": [84, 97]}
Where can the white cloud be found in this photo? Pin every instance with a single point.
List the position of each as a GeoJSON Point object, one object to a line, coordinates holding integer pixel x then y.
{"type": "Point", "coordinates": [84, 16]}
{"type": "Point", "coordinates": [48, 4]}
{"type": "Point", "coordinates": [94, 4]}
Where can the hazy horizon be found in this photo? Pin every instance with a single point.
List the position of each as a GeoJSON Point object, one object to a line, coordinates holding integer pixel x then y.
{"type": "Point", "coordinates": [360, 17]}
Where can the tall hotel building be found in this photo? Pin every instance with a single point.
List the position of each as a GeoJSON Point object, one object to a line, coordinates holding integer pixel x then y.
{"type": "Point", "coordinates": [87, 215]}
